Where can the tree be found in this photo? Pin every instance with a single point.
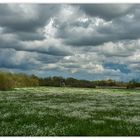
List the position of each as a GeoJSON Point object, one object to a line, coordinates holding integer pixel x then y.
{"type": "Point", "coordinates": [131, 84]}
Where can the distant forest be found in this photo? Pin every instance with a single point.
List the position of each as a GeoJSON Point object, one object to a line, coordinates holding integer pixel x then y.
{"type": "Point", "coordinates": [10, 81]}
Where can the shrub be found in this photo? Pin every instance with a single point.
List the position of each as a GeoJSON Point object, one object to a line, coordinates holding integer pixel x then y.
{"type": "Point", "coordinates": [9, 81]}
{"type": "Point", "coordinates": [6, 82]}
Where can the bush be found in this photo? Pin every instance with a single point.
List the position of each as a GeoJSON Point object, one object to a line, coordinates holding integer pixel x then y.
{"type": "Point", "coordinates": [6, 82]}
{"type": "Point", "coordinates": [9, 81]}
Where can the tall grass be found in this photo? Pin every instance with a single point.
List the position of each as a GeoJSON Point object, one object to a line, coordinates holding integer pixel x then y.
{"type": "Point", "coordinates": [69, 112]}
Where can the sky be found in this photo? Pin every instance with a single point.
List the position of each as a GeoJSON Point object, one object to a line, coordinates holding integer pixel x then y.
{"type": "Point", "coordinates": [84, 41]}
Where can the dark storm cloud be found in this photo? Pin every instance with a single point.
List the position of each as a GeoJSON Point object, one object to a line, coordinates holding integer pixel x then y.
{"type": "Point", "coordinates": [25, 61]}
{"type": "Point", "coordinates": [43, 58]}
{"type": "Point", "coordinates": [124, 25]}
{"type": "Point", "coordinates": [106, 11]}
{"type": "Point", "coordinates": [81, 38]}
{"type": "Point", "coordinates": [25, 22]}
{"type": "Point", "coordinates": [12, 41]}
{"type": "Point", "coordinates": [27, 17]}
{"type": "Point", "coordinates": [15, 60]}
{"type": "Point", "coordinates": [89, 40]}
{"type": "Point", "coordinates": [9, 41]}
{"type": "Point", "coordinates": [24, 36]}
{"type": "Point", "coordinates": [49, 50]}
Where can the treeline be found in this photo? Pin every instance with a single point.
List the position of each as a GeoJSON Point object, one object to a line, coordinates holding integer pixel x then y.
{"type": "Point", "coordinates": [133, 84]}
{"type": "Point", "coordinates": [69, 82]}
{"type": "Point", "coordinates": [9, 81]}
{"type": "Point", "coordinates": [72, 82]}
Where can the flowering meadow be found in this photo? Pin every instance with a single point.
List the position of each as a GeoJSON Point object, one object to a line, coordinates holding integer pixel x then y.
{"type": "Point", "coordinates": [55, 111]}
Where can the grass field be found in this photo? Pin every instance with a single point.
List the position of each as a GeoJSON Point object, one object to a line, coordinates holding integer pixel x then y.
{"type": "Point", "coordinates": [55, 111]}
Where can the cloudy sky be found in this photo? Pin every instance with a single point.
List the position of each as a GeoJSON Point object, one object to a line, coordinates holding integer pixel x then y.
{"type": "Point", "coordinates": [95, 41]}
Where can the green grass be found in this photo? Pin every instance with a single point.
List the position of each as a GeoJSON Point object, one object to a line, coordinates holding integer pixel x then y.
{"type": "Point", "coordinates": [49, 111]}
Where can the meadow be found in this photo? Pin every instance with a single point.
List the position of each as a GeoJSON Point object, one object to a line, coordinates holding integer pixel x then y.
{"type": "Point", "coordinates": [61, 111]}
